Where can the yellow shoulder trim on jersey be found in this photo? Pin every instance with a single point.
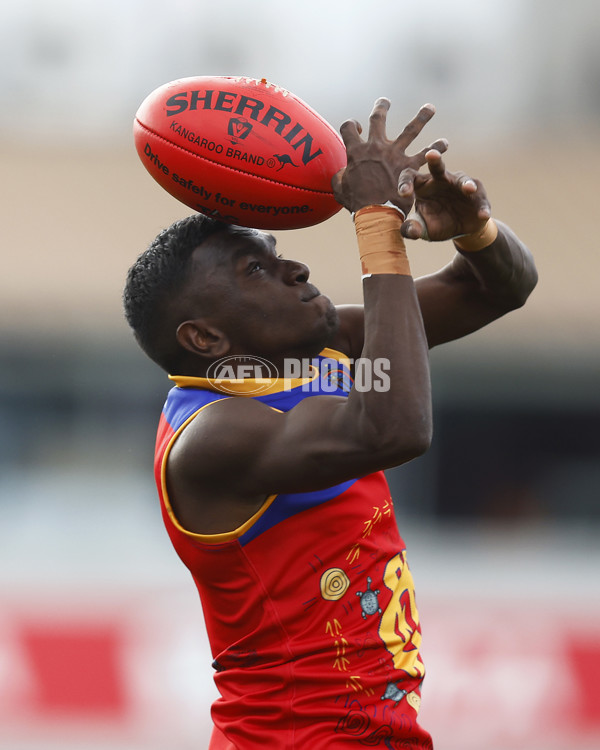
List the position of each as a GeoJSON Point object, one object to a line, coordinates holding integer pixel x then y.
{"type": "Point", "coordinates": [337, 355]}
{"type": "Point", "coordinates": [226, 536]}
{"type": "Point", "coordinates": [252, 386]}
{"type": "Point", "coordinates": [332, 353]}
{"type": "Point", "coordinates": [244, 386]}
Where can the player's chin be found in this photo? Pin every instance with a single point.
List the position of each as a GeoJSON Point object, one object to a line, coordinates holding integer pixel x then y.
{"type": "Point", "coordinates": [330, 314]}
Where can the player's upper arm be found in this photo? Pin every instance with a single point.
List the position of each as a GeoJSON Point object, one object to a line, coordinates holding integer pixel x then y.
{"type": "Point", "coordinates": [246, 447]}
{"type": "Point", "coordinates": [452, 305]}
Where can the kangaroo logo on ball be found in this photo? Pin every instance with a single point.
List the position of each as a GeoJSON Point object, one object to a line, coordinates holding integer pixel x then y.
{"type": "Point", "coordinates": [284, 159]}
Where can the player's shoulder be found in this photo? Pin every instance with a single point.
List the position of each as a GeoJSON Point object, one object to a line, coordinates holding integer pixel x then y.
{"type": "Point", "coordinates": [229, 414]}
{"type": "Point", "coordinates": [228, 431]}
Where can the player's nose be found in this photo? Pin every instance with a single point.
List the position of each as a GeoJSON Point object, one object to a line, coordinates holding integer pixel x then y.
{"type": "Point", "coordinates": [296, 272]}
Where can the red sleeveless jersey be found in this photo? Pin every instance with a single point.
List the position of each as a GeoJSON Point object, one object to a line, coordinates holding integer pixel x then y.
{"type": "Point", "coordinates": [309, 605]}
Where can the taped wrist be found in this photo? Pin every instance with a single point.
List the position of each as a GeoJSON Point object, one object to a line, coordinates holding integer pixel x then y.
{"type": "Point", "coordinates": [380, 244]}
{"type": "Point", "coordinates": [470, 243]}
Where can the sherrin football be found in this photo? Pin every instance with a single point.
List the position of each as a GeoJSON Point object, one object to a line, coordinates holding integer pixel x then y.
{"type": "Point", "coordinates": [241, 150]}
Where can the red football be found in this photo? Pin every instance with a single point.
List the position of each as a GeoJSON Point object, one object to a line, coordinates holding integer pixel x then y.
{"type": "Point", "coordinates": [241, 150]}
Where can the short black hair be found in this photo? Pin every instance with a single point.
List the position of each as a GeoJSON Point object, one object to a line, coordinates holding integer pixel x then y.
{"type": "Point", "coordinates": [157, 276]}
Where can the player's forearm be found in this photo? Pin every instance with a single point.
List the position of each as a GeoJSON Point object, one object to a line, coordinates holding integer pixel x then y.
{"type": "Point", "coordinates": [504, 270]}
{"type": "Point", "coordinates": [395, 419]}
{"type": "Point", "coordinates": [400, 417]}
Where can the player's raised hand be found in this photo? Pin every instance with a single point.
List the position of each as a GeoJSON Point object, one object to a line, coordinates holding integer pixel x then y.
{"type": "Point", "coordinates": [447, 204]}
{"type": "Point", "coordinates": [375, 164]}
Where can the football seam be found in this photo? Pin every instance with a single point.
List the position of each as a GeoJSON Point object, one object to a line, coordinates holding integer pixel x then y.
{"type": "Point", "coordinates": [233, 169]}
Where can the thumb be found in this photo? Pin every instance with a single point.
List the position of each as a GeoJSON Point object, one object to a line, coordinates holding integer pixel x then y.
{"type": "Point", "coordinates": [414, 228]}
{"type": "Point", "coordinates": [337, 186]}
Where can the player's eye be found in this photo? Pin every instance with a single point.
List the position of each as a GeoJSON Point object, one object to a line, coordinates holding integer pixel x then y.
{"type": "Point", "coordinates": [254, 266]}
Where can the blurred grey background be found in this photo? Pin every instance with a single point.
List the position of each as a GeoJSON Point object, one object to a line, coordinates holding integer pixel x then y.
{"type": "Point", "coordinates": [515, 463]}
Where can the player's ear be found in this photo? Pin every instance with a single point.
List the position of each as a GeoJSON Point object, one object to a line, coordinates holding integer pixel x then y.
{"type": "Point", "coordinates": [203, 339]}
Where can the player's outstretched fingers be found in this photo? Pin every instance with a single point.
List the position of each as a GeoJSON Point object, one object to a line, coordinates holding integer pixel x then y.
{"type": "Point", "coordinates": [474, 191]}
{"type": "Point", "coordinates": [406, 183]}
{"type": "Point", "coordinates": [350, 131]}
{"type": "Point", "coordinates": [441, 146]}
{"type": "Point", "coordinates": [467, 184]}
{"type": "Point", "coordinates": [436, 165]}
{"type": "Point", "coordinates": [378, 119]}
{"type": "Point", "coordinates": [414, 127]}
